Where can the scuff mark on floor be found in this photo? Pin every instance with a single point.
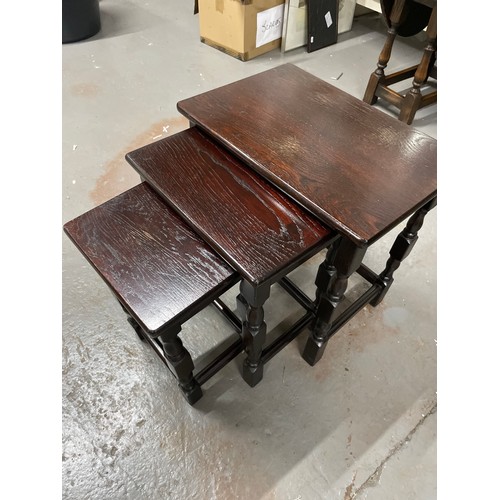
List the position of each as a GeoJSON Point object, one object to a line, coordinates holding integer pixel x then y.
{"type": "Point", "coordinates": [374, 478]}
{"type": "Point", "coordinates": [85, 89]}
{"type": "Point", "coordinates": [349, 495]}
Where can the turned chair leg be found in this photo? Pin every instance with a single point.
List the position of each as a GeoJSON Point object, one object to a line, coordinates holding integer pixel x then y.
{"type": "Point", "coordinates": [412, 100]}
{"type": "Point", "coordinates": [378, 76]}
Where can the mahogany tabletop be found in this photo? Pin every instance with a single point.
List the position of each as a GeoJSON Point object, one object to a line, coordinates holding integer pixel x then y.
{"type": "Point", "coordinates": [152, 261]}
{"type": "Point", "coordinates": [260, 232]}
{"type": "Point", "coordinates": [356, 168]}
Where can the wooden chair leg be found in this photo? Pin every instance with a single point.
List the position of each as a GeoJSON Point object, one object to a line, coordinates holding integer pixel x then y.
{"type": "Point", "coordinates": [378, 76]}
{"type": "Point", "coordinates": [413, 99]}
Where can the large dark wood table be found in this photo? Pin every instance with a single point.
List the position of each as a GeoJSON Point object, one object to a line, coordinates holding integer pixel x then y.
{"type": "Point", "coordinates": [357, 169]}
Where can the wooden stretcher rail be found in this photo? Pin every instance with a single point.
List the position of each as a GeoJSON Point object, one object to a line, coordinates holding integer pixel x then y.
{"type": "Point", "coordinates": [295, 292]}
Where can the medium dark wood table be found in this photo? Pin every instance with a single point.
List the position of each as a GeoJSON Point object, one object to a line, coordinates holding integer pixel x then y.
{"type": "Point", "coordinates": [258, 230]}
{"type": "Point", "coordinates": [357, 169]}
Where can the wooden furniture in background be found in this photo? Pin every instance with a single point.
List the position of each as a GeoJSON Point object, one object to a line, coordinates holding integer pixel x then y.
{"type": "Point", "coordinates": [406, 18]}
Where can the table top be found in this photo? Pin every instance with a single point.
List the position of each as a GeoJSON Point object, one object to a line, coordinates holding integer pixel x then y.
{"type": "Point", "coordinates": [152, 261]}
{"type": "Point", "coordinates": [356, 168]}
{"type": "Point", "coordinates": [253, 226]}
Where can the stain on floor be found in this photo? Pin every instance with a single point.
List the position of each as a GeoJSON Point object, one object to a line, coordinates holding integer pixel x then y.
{"type": "Point", "coordinates": [118, 175]}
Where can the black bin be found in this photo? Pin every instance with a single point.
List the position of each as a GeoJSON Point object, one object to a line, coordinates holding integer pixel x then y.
{"type": "Point", "coordinates": [80, 19]}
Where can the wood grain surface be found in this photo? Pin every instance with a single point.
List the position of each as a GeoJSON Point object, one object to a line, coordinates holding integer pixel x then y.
{"type": "Point", "coordinates": [157, 267]}
{"type": "Point", "coordinates": [254, 227]}
{"type": "Point", "coordinates": [356, 168]}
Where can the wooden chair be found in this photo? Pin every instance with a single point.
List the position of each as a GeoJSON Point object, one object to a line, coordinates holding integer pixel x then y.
{"type": "Point", "coordinates": [406, 18]}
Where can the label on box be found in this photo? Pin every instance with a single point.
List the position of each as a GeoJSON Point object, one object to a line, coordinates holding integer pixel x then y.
{"type": "Point", "coordinates": [269, 25]}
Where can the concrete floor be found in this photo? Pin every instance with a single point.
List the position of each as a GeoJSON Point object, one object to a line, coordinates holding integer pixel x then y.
{"type": "Point", "coordinates": [360, 424]}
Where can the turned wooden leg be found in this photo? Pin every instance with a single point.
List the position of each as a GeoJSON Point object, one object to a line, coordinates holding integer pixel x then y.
{"type": "Point", "coordinates": [403, 245]}
{"type": "Point", "coordinates": [182, 364]}
{"type": "Point", "coordinates": [412, 100]}
{"type": "Point", "coordinates": [346, 260]}
{"type": "Point", "coordinates": [250, 306]}
{"type": "Point", "coordinates": [133, 323]}
{"type": "Point", "coordinates": [326, 271]}
{"type": "Point", "coordinates": [378, 76]}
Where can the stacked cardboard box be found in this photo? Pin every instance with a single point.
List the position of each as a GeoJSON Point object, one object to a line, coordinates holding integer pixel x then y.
{"type": "Point", "coordinates": [242, 28]}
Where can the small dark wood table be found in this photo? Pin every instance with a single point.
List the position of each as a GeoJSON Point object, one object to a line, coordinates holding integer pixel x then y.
{"type": "Point", "coordinates": [357, 169]}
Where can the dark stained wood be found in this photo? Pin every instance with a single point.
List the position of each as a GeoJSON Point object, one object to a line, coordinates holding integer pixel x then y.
{"type": "Point", "coordinates": [359, 170]}
{"type": "Point", "coordinates": [413, 100]}
{"type": "Point", "coordinates": [251, 300]}
{"type": "Point", "coordinates": [378, 77]}
{"type": "Point", "coordinates": [260, 232]}
{"type": "Point", "coordinates": [157, 267]}
{"type": "Point", "coordinates": [378, 83]}
{"type": "Point", "coordinates": [414, 17]}
{"type": "Point", "coordinates": [345, 260]}
{"type": "Point", "coordinates": [326, 271]}
{"type": "Point", "coordinates": [181, 364]}
{"type": "Point", "coordinates": [402, 247]}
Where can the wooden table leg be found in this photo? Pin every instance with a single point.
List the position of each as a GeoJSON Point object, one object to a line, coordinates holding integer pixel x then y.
{"type": "Point", "coordinates": [401, 248]}
{"type": "Point", "coordinates": [250, 306]}
{"type": "Point", "coordinates": [344, 261]}
{"type": "Point", "coordinates": [181, 364]}
{"type": "Point", "coordinates": [133, 323]}
{"type": "Point", "coordinates": [326, 271]}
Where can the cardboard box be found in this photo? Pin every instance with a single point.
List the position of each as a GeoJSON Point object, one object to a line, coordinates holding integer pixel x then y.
{"type": "Point", "coordinates": [242, 28]}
